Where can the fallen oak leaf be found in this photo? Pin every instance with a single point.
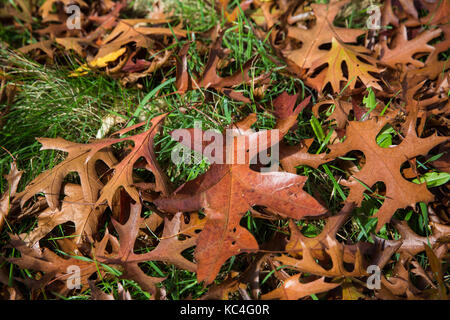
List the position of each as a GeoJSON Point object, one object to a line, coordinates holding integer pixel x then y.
{"type": "Point", "coordinates": [286, 115]}
{"type": "Point", "coordinates": [438, 12]}
{"type": "Point", "coordinates": [209, 77]}
{"type": "Point", "coordinates": [319, 35]}
{"type": "Point", "coordinates": [336, 251]}
{"type": "Point", "coordinates": [12, 178]}
{"type": "Point", "coordinates": [24, 14]}
{"type": "Point", "coordinates": [98, 63]}
{"type": "Point", "coordinates": [222, 290]}
{"type": "Point", "coordinates": [128, 30]}
{"type": "Point", "coordinates": [183, 79]}
{"type": "Point", "coordinates": [123, 170]}
{"type": "Point", "coordinates": [404, 51]}
{"type": "Point", "coordinates": [74, 209]}
{"type": "Point", "coordinates": [106, 22]}
{"type": "Point", "coordinates": [313, 255]}
{"type": "Point", "coordinates": [49, 182]}
{"type": "Point", "coordinates": [47, 7]}
{"type": "Point", "coordinates": [434, 67]}
{"type": "Point", "coordinates": [157, 62]}
{"type": "Point", "coordinates": [350, 291]}
{"type": "Point", "coordinates": [386, 162]}
{"type": "Point", "coordinates": [293, 156]}
{"type": "Point", "coordinates": [387, 14]}
{"type": "Point", "coordinates": [45, 46]}
{"type": "Point", "coordinates": [436, 268]}
{"type": "Point", "coordinates": [357, 69]}
{"type": "Point", "coordinates": [411, 243]}
{"type": "Point", "coordinates": [339, 114]}
{"type": "Point", "coordinates": [226, 191]}
{"type": "Point", "coordinates": [399, 284]}
{"type": "Point", "coordinates": [293, 289]}
{"type": "Point", "coordinates": [53, 266]}
{"type": "Point", "coordinates": [297, 241]}
{"type": "Point", "coordinates": [70, 43]}
{"type": "Point", "coordinates": [169, 248]}
{"type": "Point", "coordinates": [97, 294]}
{"type": "Point", "coordinates": [285, 112]}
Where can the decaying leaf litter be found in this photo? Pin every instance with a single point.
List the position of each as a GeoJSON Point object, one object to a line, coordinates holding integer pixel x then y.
{"type": "Point", "coordinates": [376, 105]}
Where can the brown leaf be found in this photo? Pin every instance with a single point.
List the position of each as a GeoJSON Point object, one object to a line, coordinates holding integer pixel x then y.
{"type": "Point", "coordinates": [53, 266]}
{"type": "Point", "coordinates": [411, 243]}
{"type": "Point", "coordinates": [74, 208]}
{"type": "Point", "coordinates": [434, 66]}
{"type": "Point", "coordinates": [293, 156]}
{"type": "Point", "coordinates": [24, 14]}
{"type": "Point", "coordinates": [72, 44]}
{"type": "Point", "coordinates": [438, 12]}
{"type": "Point", "coordinates": [285, 112]}
{"type": "Point", "coordinates": [226, 192]}
{"type": "Point", "coordinates": [320, 34]}
{"type": "Point", "coordinates": [183, 79]}
{"type": "Point", "coordinates": [336, 251]}
{"type": "Point", "coordinates": [97, 294]}
{"type": "Point", "coordinates": [210, 77]}
{"type": "Point", "coordinates": [350, 291]}
{"type": "Point", "coordinates": [47, 7]}
{"type": "Point", "coordinates": [123, 170]}
{"type": "Point", "coordinates": [132, 68]}
{"type": "Point", "coordinates": [128, 30]}
{"type": "Point", "coordinates": [404, 51]}
{"type": "Point", "coordinates": [45, 46]}
{"type": "Point", "coordinates": [340, 114]}
{"type": "Point", "coordinates": [223, 290]}
{"type": "Point", "coordinates": [79, 160]}
{"type": "Point", "coordinates": [293, 289]}
{"type": "Point", "coordinates": [387, 14]}
{"type": "Point", "coordinates": [168, 250]}
{"type": "Point", "coordinates": [323, 255]}
{"type": "Point", "coordinates": [386, 163]}
{"type": "Point", "coordinates": [12, 178]}
{"type": "Point", "coordinates": [436, 267]}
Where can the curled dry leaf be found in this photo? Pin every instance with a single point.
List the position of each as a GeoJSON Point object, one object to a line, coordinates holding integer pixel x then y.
{"type": "Point", "coordinates": [403, 51]}
{"type": "Point", "coordinates": [399, 285]}
{"type": "Point", "coordinates": [210, 77]}
{"type": "Point", "coordinates": [293, 289]}
{"type": "Point", "coordinates": [12, 178]}
{"type": "Point", "coordinates": [411, 243]}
